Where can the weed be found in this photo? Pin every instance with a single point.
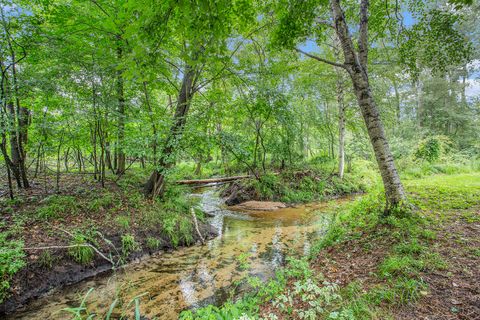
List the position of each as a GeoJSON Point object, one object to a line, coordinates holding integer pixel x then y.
{"type": "Point", "coordinates": [153, 243]}
{"type": "Point", "coordinates": [129, 244]}
{"type": "Point", "coordinates": [105, 201]}
{"type": "Point", "coordinates": [243, 260]}
{"type": "Point", "coordinates": [399, 265]}
{"type": "Point", "coordinates": [46, 259]}
{"type": "Point", "coordinates": [123, 222]}
{"type": "Point", "coordinates": [409, 247]}
{"type": "Point", "coordinates": [80, 252]}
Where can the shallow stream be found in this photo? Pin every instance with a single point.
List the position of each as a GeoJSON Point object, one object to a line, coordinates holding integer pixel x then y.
{"type": "Point", "coordinates": [194, 276]}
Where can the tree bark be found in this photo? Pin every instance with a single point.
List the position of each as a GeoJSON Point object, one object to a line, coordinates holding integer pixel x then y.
{"type": "Point", "coordinates": [121, 114]}
{"type": "Point", "coordinates": [155, 185]}
{"type": "Point", "coordinates": [341, 125]}
{"type": "Point", "coordinates": [356, 65]}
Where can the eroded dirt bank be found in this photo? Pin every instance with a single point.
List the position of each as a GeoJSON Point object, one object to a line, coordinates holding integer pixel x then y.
{"type": "Point", "coordinates": [36, 280]}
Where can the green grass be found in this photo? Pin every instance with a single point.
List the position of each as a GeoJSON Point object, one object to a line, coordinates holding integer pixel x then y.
{"type": "Point", "coordinates": [301, 186]}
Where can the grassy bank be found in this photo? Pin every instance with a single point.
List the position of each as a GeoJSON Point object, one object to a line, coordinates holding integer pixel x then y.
{"type": "Point", "coordinates": [312, 183]}
{"type": "Point", "coordinates": [370, 267]}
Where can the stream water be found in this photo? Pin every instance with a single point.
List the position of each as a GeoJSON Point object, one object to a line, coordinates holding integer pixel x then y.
{"type": "Point", "coordinates": [195, 276]}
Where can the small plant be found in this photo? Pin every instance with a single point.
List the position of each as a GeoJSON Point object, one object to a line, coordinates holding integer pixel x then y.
{"type": "Point", "coordinates": [153, 243]}
{"type": "Point", "coordinates": [123, 222]}
{"type": "Point", "coordinates": [46, 259]}
{"type": "Point", "coordinates": [243, 260]}
{"type": "Point", "coordinates": [129, 244]}
{"type": "Point", "coordinates": [397, 265]}
{"type": "Point", "coordinates": [81, 252]}
{"type": "Point", "coordinates": [104, 201]}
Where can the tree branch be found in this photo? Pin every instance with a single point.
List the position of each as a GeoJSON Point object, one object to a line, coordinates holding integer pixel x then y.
{"type": "Point", "coordinates": [339, 65]}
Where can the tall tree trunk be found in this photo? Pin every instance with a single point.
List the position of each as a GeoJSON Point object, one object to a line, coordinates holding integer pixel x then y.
{"type": "Point", "coordinates": [341, 125]}
{"type": "Point", "coordinates": [155, 185]}
{"type": "Point", "coordinates": [397, 100]}
{"type": "Point", "coordinates": [356, 65]}
{"type": "Point", "coordinates": [121, 114]}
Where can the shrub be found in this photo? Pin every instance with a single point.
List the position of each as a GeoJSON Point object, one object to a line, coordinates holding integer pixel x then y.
{"type": "Point", "coordinates": [431, 148]}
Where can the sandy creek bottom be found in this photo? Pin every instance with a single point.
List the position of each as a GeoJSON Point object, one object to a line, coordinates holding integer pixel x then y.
{"type": "Point", "coordinates": [198, 275]}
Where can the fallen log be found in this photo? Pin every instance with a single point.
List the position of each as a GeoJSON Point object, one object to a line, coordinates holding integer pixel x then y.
{"type": "Point", "coordinates": [213, 180]}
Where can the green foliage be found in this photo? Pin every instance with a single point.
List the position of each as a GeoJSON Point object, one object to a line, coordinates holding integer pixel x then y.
{"type": "Point", "coordinates": [129, 244]}
{"type": "Point", "coordinates": [123, 222]}
{"type": "Point", "coordinates": [363, 215]}
{"type": "Point", "coordinates": [11, 261]}
{"type": "Point", "coordinates": [81, 252]}
{"type": "Point", "coordinates": [403, 265]}
{"type": "Point", "coordinates": [431, 148]}
{"type": "Point", "coordinates": [435, 42]}
{"type": "Point", "coordinates": [153, 243]}
{"type": "Point", "coordinates": [172, 215]}
{"type": "Point", "coordinates": [243, 260]}
{"type": "Point", "coordinates": [46, 259]}
{"type": "Point", "coordinates": [307, 185]}
{"type": "Point", "coordinates": [57, 206]}
{"type": "Point", "coordinates": [103, 202]}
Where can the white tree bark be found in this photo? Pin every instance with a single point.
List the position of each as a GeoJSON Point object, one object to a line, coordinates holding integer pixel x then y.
{"type": "Point", "coordinates": [356, 65]}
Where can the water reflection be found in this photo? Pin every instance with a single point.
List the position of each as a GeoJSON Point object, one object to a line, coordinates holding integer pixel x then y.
{"type": "Point", "coordinates": [191, 277]}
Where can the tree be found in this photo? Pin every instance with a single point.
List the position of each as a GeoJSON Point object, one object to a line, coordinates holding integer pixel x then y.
{"type": "Point", "coordinates": [300, 20]}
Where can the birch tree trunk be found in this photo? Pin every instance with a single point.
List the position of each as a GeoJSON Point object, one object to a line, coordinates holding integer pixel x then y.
{"type": "Point", "coordinates": [356, 65]}
{"type": "Point", "coordinates": [341, 112]}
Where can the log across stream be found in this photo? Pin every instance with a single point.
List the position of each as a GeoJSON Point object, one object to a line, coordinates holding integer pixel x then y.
{"type": "Point", "coordinates": [194, 276]}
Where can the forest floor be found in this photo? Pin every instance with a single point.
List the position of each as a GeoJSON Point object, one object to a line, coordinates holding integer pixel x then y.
{"type": "Point", "coordinates": [53, 238]}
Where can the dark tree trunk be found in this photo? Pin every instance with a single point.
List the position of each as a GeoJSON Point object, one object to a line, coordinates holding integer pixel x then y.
{"type": "Point", "coordinates": [155, 185]}
{"type": "Point", "coordinates": [341, 125]}
{"type": "Point", "coordinates": [121, 115]}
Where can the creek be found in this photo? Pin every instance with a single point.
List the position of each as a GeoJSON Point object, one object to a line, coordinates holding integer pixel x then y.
{"type": "Point", "coordinates": [253, 243]}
